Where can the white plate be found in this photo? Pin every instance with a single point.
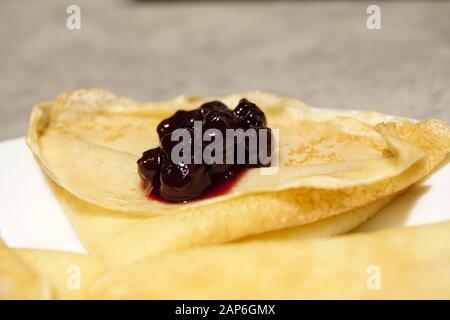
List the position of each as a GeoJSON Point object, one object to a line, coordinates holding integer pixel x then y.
{"type": "Point", "coordinates": [30, 216]}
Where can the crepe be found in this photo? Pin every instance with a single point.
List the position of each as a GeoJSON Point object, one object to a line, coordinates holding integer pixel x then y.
{"type": "Point", "coordinates": [110, 235]}
{"type": "Point", "coordinates": [400, 263]}
{"type": "Point", "coordinates": [331, 171]}
{"type": "Point", "coordinates": [331, 164]}
{"type": "Point", "coordinates": [334, 225]}
{"type": "Point", "coordinates": [88, 142]}
{"type": "Point", "coordinates": [65, 276]}
{"type": "Point", "coordinates": [69, 275]}
{"type": "Point", "coordinates": [44, 274]}
{"type": "Point", "coordinates": [18, 281]}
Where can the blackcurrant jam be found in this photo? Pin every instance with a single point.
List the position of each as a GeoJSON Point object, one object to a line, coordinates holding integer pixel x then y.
{"type": "Point", "coordinates": [183, 169]}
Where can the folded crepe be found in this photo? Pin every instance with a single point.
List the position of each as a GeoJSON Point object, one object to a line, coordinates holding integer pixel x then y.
{"type": "Point", "coordinates": [334, 171]}
{"type": "Point", "coordinates": [69, 275]}
{"type": "Point", "coordinates": [18, 280]}
{"type": "Point", "coordinates": [42, 274]}
{"type": "Point", "coordinates": [399, 263]}
{"type": "Point", "coordinates": [260, 240]}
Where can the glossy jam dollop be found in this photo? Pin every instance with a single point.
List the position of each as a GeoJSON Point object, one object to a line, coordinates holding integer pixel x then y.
{"type": "Point", "coordinates": [178, 181]}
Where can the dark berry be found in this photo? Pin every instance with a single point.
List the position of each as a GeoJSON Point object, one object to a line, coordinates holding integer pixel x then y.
{"type": "Point", "coordinates": [149, 165]}
{"type": "Point", "coordinates": [170, 124]}
{"type": "Point", "coordinates": [174, 173]}
{"type": "Point", "coordinates": [250, 114]}
{"type": "Point", "coordinates": [180, 181]}
{"type": "Point", "coordinates": [230, 174]}
{"type": "Point", "coordinates": [190, 118]}
{"type": "Point", "coordinates": [221, 121]}
{"type": "Point", "coordinates": [219, 168]}
{"type": "Point", "coordinates": [213, 106]}
{"type": "Point", "coordinates": [226, 175]}
{"type": "Point", "coordinates": [185, 138]}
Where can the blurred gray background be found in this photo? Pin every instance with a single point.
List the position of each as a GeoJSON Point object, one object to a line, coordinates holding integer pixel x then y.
{"type": "Point", "coordinates": [320, 52]}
